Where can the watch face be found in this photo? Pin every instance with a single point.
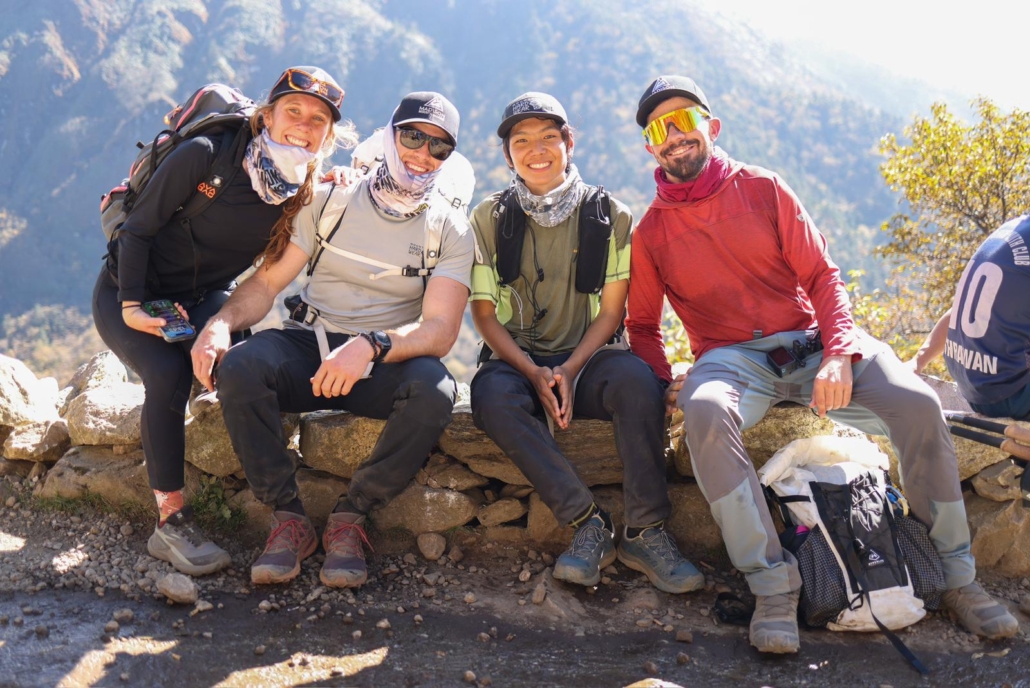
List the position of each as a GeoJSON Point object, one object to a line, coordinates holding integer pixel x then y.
{"type": "Point", "coordinates": [382, 339]}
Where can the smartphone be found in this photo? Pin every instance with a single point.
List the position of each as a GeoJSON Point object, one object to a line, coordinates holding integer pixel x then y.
{"type": "Point", "coordinates": [178, 328]}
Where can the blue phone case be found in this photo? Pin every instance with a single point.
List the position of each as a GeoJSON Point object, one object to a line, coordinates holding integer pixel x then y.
{"type": "Point", "coordinates": [178, 328]}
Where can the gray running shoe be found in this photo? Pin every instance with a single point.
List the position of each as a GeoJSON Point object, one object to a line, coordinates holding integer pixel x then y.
{"type": "Point", "coordinates": [182, 544]}
{"type": "Point", "coordinates": [344, 565]}
{"type": "Point", "coordinates": [292, 541]}
{"type": "Point", "coordinates": [979, 614]}
{"type": "Point", "coordinates": [654, 553]}
{"type": "Point", "coordinates": [774, 626]}
{"type": "Point", "coordinates": [592, 549]}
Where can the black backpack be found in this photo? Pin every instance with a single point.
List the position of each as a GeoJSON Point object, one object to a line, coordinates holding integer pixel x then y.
{"type": "Point", "coordinates": [595, 231]}
{"type": "Point", "coordinates": [211, 110]}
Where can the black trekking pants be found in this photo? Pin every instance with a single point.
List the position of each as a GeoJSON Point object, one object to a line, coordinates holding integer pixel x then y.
{"type": "Point", "coordinates": [166, 370]}
{"type": "Point", "coordinates": [270, 373]}
{"type": "Point", "coordinates": [615, 385]}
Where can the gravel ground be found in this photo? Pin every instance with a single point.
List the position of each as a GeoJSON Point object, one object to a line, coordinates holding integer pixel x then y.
{"type": "Point", "coordinates": [79, 605]}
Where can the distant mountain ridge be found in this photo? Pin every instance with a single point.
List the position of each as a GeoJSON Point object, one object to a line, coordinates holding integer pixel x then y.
{"type": "Point", "coordinates": [82, 80]}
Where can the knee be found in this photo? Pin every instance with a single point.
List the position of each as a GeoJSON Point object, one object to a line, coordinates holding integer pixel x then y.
{"type": "Point", "coordinates": [702, 413]}
{"type": "Point", "coordinates": [430, 386]}
{"type": "Point", "coordinates": [494, 397]}
{"type": "Point", "coordinates": [634, 388]}
{"type": "Point", "coordinates": [241, 372]}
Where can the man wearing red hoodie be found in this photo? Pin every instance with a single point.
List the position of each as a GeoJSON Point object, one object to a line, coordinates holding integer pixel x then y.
{"type": "Point", "coordinates": [747, 272]}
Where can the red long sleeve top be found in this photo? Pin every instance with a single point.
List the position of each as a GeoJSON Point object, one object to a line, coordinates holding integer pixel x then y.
{"type": "Point", "coordinates": [746, 259]}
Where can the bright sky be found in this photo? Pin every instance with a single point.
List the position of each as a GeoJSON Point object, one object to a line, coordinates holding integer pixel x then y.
{"type": "Point", "coordinates": [977, 47]}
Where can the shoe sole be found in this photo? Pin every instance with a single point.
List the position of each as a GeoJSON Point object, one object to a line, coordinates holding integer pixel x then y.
{"type": "Point", "coordinates": [334, 583]}
{"type": "Point", "coordinates": [571, 575]}
{"type": "Point", "coordinates": [261, 575]}
{"type": "Point", "coordinates": [691, 584]}
{"type": "Point", "coordinates": [779, 648]}
{"type": "Point", "coordinates": [158, 550]}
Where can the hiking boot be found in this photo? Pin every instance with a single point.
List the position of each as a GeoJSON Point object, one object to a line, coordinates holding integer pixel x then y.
{"type": "Point", "coordinates": [654, 553]}
{"type": "Point", "coordinates": [344, 565]}
{"type": "Point", "coordinates": [592, 548]}
{"type": "Point", "coordinates": [774, 625]}
{"type": "Point", "coordinates": [979, 614]}
{"type": "Point", "coordinates": [291, 542]}
{"type": "Point", "coordinates": [182, 544]}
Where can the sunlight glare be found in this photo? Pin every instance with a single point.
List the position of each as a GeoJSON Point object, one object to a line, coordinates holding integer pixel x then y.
{"type": "Point", "coordinates": [305, 670]}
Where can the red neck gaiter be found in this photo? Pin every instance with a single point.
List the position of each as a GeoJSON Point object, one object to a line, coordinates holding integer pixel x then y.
{"type": "Point", "coordinates": [714, 174]}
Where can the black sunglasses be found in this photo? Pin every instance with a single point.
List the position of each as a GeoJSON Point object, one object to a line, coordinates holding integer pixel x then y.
{"type": "Point", "coordinates": [414, 139]}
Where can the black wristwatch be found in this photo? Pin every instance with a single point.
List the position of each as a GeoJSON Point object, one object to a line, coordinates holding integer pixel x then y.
{"type": "Point", "coordinates": [381, 344]}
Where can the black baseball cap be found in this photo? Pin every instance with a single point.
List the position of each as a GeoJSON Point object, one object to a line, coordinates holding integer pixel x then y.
{"type": "Point", "coordinates": [429, 107]}
{"type": "Point", "coordinates": [310, 81]}
{"type": "Point", "coordinates": [665, 87]}
{"type": "Point", "coordinates": [532, 104]}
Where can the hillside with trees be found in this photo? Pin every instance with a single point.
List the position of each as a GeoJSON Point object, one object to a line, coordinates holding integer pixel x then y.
{"type": "Point", "coordinates": [83, 80]}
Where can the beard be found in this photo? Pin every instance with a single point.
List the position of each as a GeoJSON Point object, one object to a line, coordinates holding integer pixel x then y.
{"type": "Point", "coordinates": [686, 168]}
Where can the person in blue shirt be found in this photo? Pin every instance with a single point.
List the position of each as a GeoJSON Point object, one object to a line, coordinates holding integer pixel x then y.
{"type": "Point", "coordinates": [985, 335]}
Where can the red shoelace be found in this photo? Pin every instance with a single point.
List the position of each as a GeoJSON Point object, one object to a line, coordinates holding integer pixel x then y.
{"type": "Point", "coordinates": [349, 543]}
{"type": "Point", "coordinates": [287, 535]}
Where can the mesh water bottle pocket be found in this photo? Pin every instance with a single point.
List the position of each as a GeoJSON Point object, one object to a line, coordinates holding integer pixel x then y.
{"type": "Point", "coordinates": [924, 564]}
{"type": "Point", "coordinates": [823, 594]}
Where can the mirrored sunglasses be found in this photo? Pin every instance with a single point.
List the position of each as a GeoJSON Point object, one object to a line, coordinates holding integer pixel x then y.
{"type": "Point", "coordinates": [299, 80]}
{"type": "Point", "coordinates": [685, 119]}
{"type": "Point", "coordinates": [414, 139]}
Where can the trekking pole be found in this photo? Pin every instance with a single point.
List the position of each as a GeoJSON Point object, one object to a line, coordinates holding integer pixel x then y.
{"type": "Point", "coordinates": [1012, 441]}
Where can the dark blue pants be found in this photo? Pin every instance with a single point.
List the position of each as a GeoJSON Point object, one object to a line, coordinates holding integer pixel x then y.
{"type": "Point", "coordinates": [270, 373]}
{"type": "Point", "coordinates": [615, 385]}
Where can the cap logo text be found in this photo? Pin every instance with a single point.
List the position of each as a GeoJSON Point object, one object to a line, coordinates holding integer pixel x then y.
{"type": "Point", "coordinates": [660, 85]}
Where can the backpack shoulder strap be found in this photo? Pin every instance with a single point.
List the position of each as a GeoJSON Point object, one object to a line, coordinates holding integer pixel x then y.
{"type": "Point", "coordinates": [231, 148]}
{"type": "Point", "coordinates": [320, 241]}
{"type": "Point", "coordinates": [510, 226]}
{"type": "Point", "coordinates": [595, 231]}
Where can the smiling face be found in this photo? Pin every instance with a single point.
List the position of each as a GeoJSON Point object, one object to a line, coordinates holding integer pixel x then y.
{"type": "Point", "coordinates": [419, 161]}
{"type": "Point", "coordinates": [299, 120]}
{"type": "Point", "coordinates": [683, 155]}
{"type": "Point", "coordinates": [539, 154]}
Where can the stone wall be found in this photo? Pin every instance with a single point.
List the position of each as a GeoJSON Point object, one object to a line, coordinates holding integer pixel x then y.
{"type": "Point", "coordinates": [86, 439]}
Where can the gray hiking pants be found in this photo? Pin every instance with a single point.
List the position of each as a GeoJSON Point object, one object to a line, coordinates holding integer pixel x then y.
{"type": "Point", "coordinates": [731, 389]}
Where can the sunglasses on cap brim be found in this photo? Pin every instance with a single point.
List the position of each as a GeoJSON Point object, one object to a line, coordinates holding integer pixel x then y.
{"type": "Point", "coordinates": [685, 119]}
{"type": "Point", "coordinates": [301, 81]}
{"type": "Point", "coordinates": [414, 139]}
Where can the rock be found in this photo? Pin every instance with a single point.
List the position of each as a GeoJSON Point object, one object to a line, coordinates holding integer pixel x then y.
{"type": "Point", "coordinates": [516, 491]}
{"type": "Point", "coordinates": [318, 490]}
{"type": "Point", "coordinates": [45, 441]}
{"type": "Point", "coordinates": [588, 444]}
{"type": "Point", "coordinates": [469, 677]}
{"type": "Point", "coordinates": [455, 555]}
{"type": "Point", "coordinates": [106, 415]}
{"type": "Point", "coordinates": [23, 398]}
{"type": "Point", "coordinates": [422, 509]}
{"type": "Point", "coordinates": [178, 588]}
{"type": "Point", "coordinates": [203, 606]}
{"type": "Point", "coordinates": [780, 427]}
{"type": "Point", "coordinates": [337, 441]}
{"type": "Point", "coordinates": [260, 650]}
{"type": "Point", "coordinates": [126, 530]}
{"type": "Point", "coordinates": [208, 446]}
{"type": "Point", "coordinates": [1001, 535]}
{"type": "Point", "coordinates": [111, 627]}
{"type": "Point", "coordinates": [501, 511]}
{"type": "Point", "coordinates": [383, 624]}
{"type": "Point", "coordinates": [16, 468]}
{"type": "Point", "coordinates": [119, 480]}
{"type": "Point", "coordinates": [651, 668]}
{"type": "Point", "coordinates": [684, 636]}
{"type": "Point", "coordinates": [539, 593]}
{"type": "Point", "coordinates": [432, 545]}
{"type": "Point", "coordinates": [103, 370]}
{"type": "Point", "coordinates": [442, 471]}
{"type": "Point", "coordinates": [642, 598]}
{"type": "Point", "coordinates": [42, 631]}
{"type": "Point", "coordinates": [1024, 605]}
{"type": "Point", "coordinates": [682, 658]}
{"type": "Point", "coordinates": [999, 482]}
{"type": "Point", "coordinates": [123, 616]}
{"type": "Point", "coordinates": [470, 598]}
